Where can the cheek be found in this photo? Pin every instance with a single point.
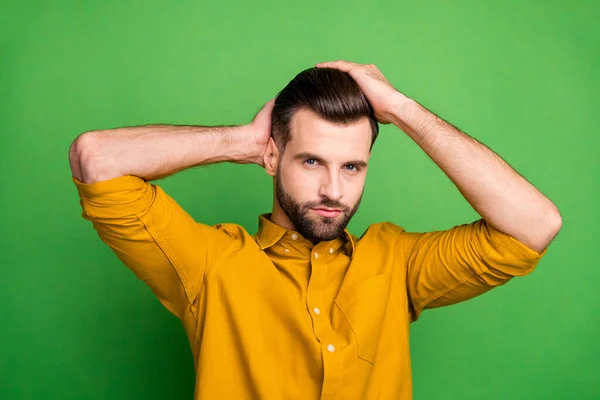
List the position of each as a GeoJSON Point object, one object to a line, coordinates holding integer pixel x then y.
{"type": "Point", "coordinates": [301, 184]}
{"type": "Point", "coordinates": [353, 189]}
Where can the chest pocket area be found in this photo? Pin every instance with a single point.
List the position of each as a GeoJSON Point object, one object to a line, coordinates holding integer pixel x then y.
{"type": "Point", "coordinates": [364, 307]}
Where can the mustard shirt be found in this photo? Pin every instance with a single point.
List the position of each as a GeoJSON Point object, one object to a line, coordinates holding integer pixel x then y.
{"type": "Point", "coordinates": [271, 316]}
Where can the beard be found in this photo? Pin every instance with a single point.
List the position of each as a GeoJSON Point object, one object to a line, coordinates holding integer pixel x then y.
{"type": "Point", "coordinates": [315, 228]}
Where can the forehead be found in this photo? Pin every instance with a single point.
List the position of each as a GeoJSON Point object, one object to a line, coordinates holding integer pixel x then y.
{"type": "Point", "coordinates": [309, 132]}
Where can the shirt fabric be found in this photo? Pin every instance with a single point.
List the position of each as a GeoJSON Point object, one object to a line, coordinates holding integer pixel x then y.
{"type": "Point", "coordinates": [271, 316]}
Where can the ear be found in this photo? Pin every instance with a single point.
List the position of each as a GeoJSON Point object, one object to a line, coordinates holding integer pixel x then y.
{"type": "Point", "coordinates": [271, 157]}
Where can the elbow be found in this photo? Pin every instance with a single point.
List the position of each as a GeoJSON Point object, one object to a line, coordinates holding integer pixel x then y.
{"type": "Point", "coordinates": [81, 145]}
{"type": "Point", "coordinates": [85, 159]}
{"type": "Point", "coordinates": [76, 151]}
{"type": "Point", "coordinates": [79, 154]}
{"type": "Point", "coordinates": [554, 223]}
{"type": "Point", "coordinates": [546, 229]}
{"type": "Point", "coordinates": [552, 226]}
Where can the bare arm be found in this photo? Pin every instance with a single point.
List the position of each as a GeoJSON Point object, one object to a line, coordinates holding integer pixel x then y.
{"type": "Point", "coordinates": [143, 225]}
{"type": "Point", "coordinates": [495, 190]}
{"type": "Point", "coordinates": [156, 151]}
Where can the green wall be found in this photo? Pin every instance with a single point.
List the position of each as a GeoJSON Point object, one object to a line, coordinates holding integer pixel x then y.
{"type": "Point", "coordinates": [523, 77]}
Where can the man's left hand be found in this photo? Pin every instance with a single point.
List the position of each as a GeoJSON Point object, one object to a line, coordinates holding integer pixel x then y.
{"type": "Point", "coordinates": [378, 90]}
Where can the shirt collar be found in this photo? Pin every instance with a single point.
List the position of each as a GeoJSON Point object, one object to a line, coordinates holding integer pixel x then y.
{"type": "Point", "coordinates": [270, 233]}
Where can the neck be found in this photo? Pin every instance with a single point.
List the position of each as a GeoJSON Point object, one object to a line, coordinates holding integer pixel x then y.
{"type": "Point", "coordinates": [279, 217]}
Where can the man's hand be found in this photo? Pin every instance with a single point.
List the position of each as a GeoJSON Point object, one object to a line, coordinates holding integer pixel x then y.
{"type": "Point", "coordinates": [380, 93]}
{"type": "Point", "coordinates": [260, 127]}
{"type": "Point", "coordinates": [496, 191]}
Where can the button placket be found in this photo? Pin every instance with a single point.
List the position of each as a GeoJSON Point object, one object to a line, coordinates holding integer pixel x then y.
{"type": "Point", "coordinates": [333, 361]}
{"type": "Point", "coordinates": [315, 289]}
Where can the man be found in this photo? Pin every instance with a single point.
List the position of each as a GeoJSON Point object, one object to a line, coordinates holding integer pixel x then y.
{"type": "Point", "coordinates": [304, 309]}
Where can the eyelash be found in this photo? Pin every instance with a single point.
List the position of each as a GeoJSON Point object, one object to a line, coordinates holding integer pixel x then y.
{"type": "Point", "coordinates": [356, 168]}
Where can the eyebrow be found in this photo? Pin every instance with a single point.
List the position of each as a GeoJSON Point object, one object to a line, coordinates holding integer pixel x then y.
{"type": "Point", "coordinates": [307, 155]}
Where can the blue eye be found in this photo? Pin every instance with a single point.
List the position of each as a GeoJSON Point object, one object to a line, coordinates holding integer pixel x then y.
{"type": "Point", "coordinates": [352, 167]}
{"type": "Point", "coordinates": [311, 161]}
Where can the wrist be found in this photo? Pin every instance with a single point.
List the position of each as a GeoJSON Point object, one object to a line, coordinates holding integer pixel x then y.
{"type": "Point", "coordinates": [247, 149]}
{"type": "Point", "coordinates": [400, 109]}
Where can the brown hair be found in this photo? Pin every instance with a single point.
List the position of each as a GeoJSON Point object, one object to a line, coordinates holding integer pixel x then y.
{"type": "Point", "coordinates": [332, 94]}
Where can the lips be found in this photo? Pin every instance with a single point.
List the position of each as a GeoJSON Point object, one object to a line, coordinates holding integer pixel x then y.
{"type": "Point", "coordinates": [328, 212]}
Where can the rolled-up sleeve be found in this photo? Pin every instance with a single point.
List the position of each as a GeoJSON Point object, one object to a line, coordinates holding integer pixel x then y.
{"type": "Point", "coordinates": [447, 267]}
{"type": "Point", "coordinates": [153, 236]}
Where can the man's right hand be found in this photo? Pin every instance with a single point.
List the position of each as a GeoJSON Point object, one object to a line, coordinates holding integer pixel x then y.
{"type": "Point", "coordinates": [261, 131]}
{"type": "Point", "coordinates": [156, 151]}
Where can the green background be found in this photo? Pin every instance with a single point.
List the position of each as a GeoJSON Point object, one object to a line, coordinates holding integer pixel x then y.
{"type": "Point", "coordinates": [520, 76]}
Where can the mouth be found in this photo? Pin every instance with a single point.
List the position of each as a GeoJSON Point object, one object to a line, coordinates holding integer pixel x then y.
{"type": "Point", "coordinates": [327, 212]}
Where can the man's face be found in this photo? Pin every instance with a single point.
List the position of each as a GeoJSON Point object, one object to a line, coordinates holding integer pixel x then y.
{"type": "Point", "coordinates": [321, 174]}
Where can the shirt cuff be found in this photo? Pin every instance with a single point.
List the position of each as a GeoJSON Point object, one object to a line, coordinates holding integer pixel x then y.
{"type": "Point", "coordinates": [120, 184]}
{"type": "Point", "coordinates": [513, 256]}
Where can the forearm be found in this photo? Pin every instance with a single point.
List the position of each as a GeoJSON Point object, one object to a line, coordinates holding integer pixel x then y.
{"type": "Point", "coordinates": [493, 188]}
{"type": "Point", "coordinates": [156, 151]}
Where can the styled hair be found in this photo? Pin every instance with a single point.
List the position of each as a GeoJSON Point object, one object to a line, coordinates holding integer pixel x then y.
{"type": "Point", "coordinates": [330, 93]}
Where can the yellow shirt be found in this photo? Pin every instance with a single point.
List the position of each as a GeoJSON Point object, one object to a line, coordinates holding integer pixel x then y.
{"type": "Point", "coordinates": [271, 316]}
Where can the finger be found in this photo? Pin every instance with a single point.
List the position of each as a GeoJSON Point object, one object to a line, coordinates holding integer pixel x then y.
{"type": "Point", "coordinates": [266, 108]}
{"type": "Point", "coordinates": [339, 64]}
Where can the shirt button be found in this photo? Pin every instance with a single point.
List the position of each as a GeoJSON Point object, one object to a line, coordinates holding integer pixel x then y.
{"type": "Point", "coordinates": [331, 250]}
{"type": "Point", "coordinates": [286, 250]}
{"type": "Point", "coordinates": [331, 348]}
{"type": "Point", "coordinates": [316, 255]}
{"type": "Point", "coordinates": [294, 236]}
{"type": "Point", "coordinates": [316, 310]}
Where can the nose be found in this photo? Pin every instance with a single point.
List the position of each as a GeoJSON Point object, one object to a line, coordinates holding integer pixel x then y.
{"type": "Point", "coordinates": [331, 186]}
